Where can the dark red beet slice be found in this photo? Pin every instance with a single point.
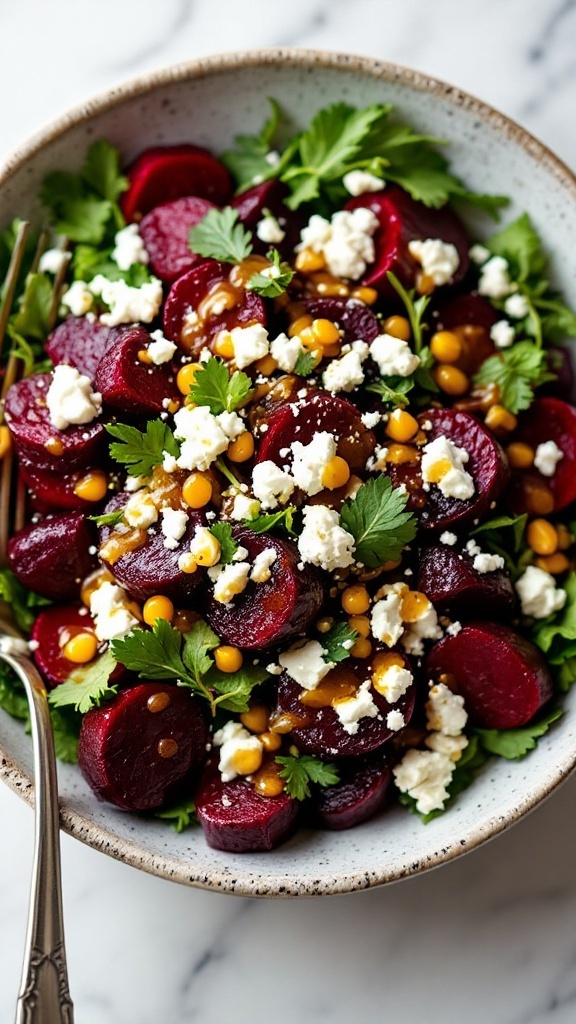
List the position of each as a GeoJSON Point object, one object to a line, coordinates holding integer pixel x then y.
{"type": "Point", "coordinates": [142, 746]}
{"type": "Point", "coordinates": [402, 220]}
{"type": "Point", "coordinates": [237, 819]}
{"type": "Point", "coordinates": [185, 297]}
{"type": "Point", "coordinates": [449, 579]}
{"type": "Point", "coordinates": [551, 419]}
{"type": "Point", "coordinates": [130, 385]}
{"type": "Point", "coordinates": [36, 440]}
{"type": "Point", "coordinates": [269, 613]}
{"type": "Point", "coordinates": [53, 490]}
{"type": "Point", "coordinates": [165, 231]}
{"type": "Point", "coordinates": [356, 320]}
{"type": "Point", "coordinates": [487, 466]}
{"type": "Point", "coordinates": [47, 633]}
{"type": "Point", "coordinates": [164, 173]}
{"type": "Point", "coordinates": [269, 196]}
{"type": "Point", "coordinates": [52, 557]}
{"type": "Point", "coordinates": [471, 317]}
{"type": "Point", "coordinates": [560, 363]}
{"type": "Point", "coordinates": [79, 342]}
{"type": "Point", "coordinates": [300, 418]}
{"type": "Point", "coordinates": [501, 675]}
{"type": "Point", "coordinates": [363, 789]}
{"type": "Point", "coordinates": [319, 730]}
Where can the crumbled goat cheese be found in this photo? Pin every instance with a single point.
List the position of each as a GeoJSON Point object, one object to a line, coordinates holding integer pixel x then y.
{"type": "Point", "coordinates": [204, 437]}
{"type": "Point", "coordinates": [70, 398]}
{"type": "Point", "coordinates": [502, 334]}
{"type": "Point", "coordinates": [445, 711]}
{"type": "Point", "coordinates": [358, 182]}
{"type": "Point", "coordinates": [351, 710]}
{"type": "Point", "coordinates": [425, 775]}
{"type": "Point", "coordinates": [345, 241]}
{"type": "Point", "coordinates": [160, 349]}
{"type": "Point", "coordinates": [250, 344]}
{"type": "Point", "coordinates": [78, 298]}
{"type": "Point", "coordinates": [479, 254]}
{"type": "Point", "coordinates": [371, 419]}
{"type": "Point", "coordinates": [271, 485]}
{"type": "Point", "coordinates": [547, 456]}
{"type": "Point", "coordinates": [286, 351]}
{"type": "Point", "coordinates": [448, 538]}
{"type": "Point", "coordinates": [174, 525]}
{"type": "Point", "coordinates": [487, 563]}
{"type": "Point", "coordinates": [310, 460]}
{"type": "Point", "coordinates": [346, 373]}
{"type": "Point", "coordinates": [516, 306]}
{"type": "Point", "coordinates": [323, 542]}
{"type": "Point", "coordinates": [233, 739]}
{"type": "Point", "coordinates": [128, 305]}
{"type": "Point", "coordinates": [538, 593]}
{"type": "Point", "coordinates": [305, 663]}
{"type": "Point", "coordinates": [425, 627]}
{"type": "Point", "coordinates": [395, 720]}
{"type": "Point", "coordinates": [244, 507]}
{"type": "Point", "coordinates": [494, 278]}
{"type": "Point", "coordinates": [393, 356]}
{"type": "Point", "coordinates": [52, 261]}
{"type": "Point", "coordinates": [229, 580]}
{"type": "Point", "coordinates": [269, 230]}
{"type": "Point", "coordinates": [386, 618]}
{"type": "Point", "coordinates": [134, 483]}
{"type": "Point", "coordinates": [450, 746]}
{"type": "Point", "coordinates": [109, 607]}
{"type": "Point", "coordinates": [456, 482]}
{"type": "Point", "coordinates": [140, 511]}
{"type": "Point", "coordinates": [439, 260]}
{"type": "Point", "coordinates": [393, 682]}
{"type": "Point", "coordinates": [454, 628]}
{"type": "Point", "coordinates": [129, 248]}
{"type": "Point", "coordinates": [262, 564]}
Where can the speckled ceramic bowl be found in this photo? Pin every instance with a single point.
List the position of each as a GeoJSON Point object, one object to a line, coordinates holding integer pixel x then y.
{"type": "Point", "coordinates": [207, 102]}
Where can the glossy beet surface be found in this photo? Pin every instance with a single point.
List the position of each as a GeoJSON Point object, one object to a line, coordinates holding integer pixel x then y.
{"type": "Point", "coordinates": [273, 612]}
{"type": "Point", "coordinates": [363, 790]}
{"type": "Point", "coordinates": [551, 419]}
{"type": "Point", "coordinates": [237, 819]}
{"type": "Point", "coordinates": [130, 385]}
{"type": "Point", "coordinates": [164, 173]}
{"type": "Point", "coordinates": [447, 576]}
{"type": "Point", "coordinates": [269, 196]}
{"type": "Point", "coordinates": [501, 675]}
{"type": "Point", "coordinates": [80, 342]}
{"type": "Point", "coordinates": [50, 631]}
{"type": "Point", "coordinates": [54, 490]}
{"type": "Point", "coordinates": [52, 557]}
{"type": "Point", "coordinates": [139, 748]}
{"type": "Point", "coordinates": [165, 232]}
{"type": "Point", "coordinates": [355, 320]}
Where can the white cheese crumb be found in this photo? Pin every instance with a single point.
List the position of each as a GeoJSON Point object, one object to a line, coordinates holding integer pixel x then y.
{"type": "Point", "coordinates": [204, 436]}
{"type": "Point", "coordinates": [479, 254]}
{"type": "Point", "coordinates": [425, 775]}
{"type": "Point", "coordinates": [487, 563]}
{"type": "Point", "coordinates": [310, 460]}
{"type": "Point", "coordinates": [358, 182]}
{"type": "Point", "coordinates": [140, 511]}
{"type": "Point", "coordinates": [386, 618]}
{"type": "Point", "coordinates": [127, 304]}
{"type": "Point", "coordinates": [52, 261]}
{"type": "Point", "coordinates": [160, 349]}
{"type": "Point", "coordinates": [351, 710]}
{"type": "Point", "coordinates": [393, 682]}
{"type": "Point", "coordinates": [454, 628]}
{"type": "Point", "coordinates": [78, 298]}
{"type": "Point", "coordinates": [233, 739]}
{"type": "Point", "coordinates": [109, 607]}
{"type": "Point", "coordinates": [395, 720]}
{"type": "Point", "coordinates": [451, 746]}
{"type": "Point", "coordinates": [271, 485]}
{"type": "Point", "coordinates": [445, 711]}
{"type": "Point", "coordinates": [346, 373]}
{"type": "Point", "coordinates": [261, 566]}
{"type": "Point", "coordinates": [305, 663]}
{"type": "Point", "coordinates": [516, 306]}
{"type": "Point", "coordinates": [269, 230]}
{"type": "Point", "coordinates": [229, 580]}
{"type": "Point", "coordinates": [244, 507]}
{"type": "Point", "coordinates": [425, 627]}
{"type": "Point", "coordinates": [502, 334]}
{"type": "Point", "coordinates": [70, 398]}
{"type": "Point", "coordinates": [547, 456]}
{"type": "Point", "coordinates": [456, 482]}
{"type": "Point", "coordinates": [323, 542]}
{"type": "Point", "coordinates": [439, 260]}
{"type": "Point", "coordinates": [495, 280]}
{"type": "Point", "coordinates": [448, 538]}
{"type": "Point", "coordinates": [371, 419]}
{"type": "Point", "coordinates": [129, 248]}
{"type": "Point", "coordinates": [250, 344]}
{"type": "Point", "coordinates": [286, 351]}
{"type": "Point", "coordinates": [538, 593]}
{"type": "Point", "coordinates": [174, 525]}
{"type": "Point", "coordinates": [393, 356]}
{"type": "Point", "coordinates": [345, 241]}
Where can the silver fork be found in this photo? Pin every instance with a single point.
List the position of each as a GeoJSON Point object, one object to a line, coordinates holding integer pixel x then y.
{"type": "Point", "coordinates": [44, 996]}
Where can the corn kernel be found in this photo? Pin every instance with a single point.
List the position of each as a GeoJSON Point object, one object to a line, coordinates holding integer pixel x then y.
{"type": "Point", "coordinates": [5, 440]}
{"type": "Point", "coordinates": [438, 470]}
{"type": "Point", "coordinates": [324, 625]}
{"type": "Point", "coordinates": [186, 376]}
{"type": "Point", "coordinates": [228, 659]}
{"type": "Point", "coordinates": [355, 600]}
{"type": "Point", "coordinates": [299, 324]}
{"type": "Point", "coordinates": [247, 761]}
{"type": "Point", "coordinates": [80, 648]}
{"type": "Point", "coordinates": [333, 289]}
{"type": "Point", "coordinates": [381, 665]}
{"type": "Point", "coordinates": [205, 548]}
{"type": "Point", "coordinates": [554, 564]}
{"type": "Point", "coordinates": [242, 448]}
{"type": "Point", "coordinates": [446, 347]}
{"type": "Point", "coordinates": [269, 783]}
{"type": "Point", "coordinates": [157, 607]}
{"type": "Point", "coordinates": [224, 346]}
{"type": "Point", "coordinates": [336, 473]}
{"type": "Point", "coordinates": [270, 741]}
{"type": "Point", "coordinates": [542, 537]}
{"type": "Point", "coordinates": [360, 624]}
{"type": "Point", "coordinates": [186, 563]}
{"type": "Point", "coordinates": [307, 261]}
{"type": "Point", "coordinates": [414, 605]}
{"type": "Point", "coordinates": [307, 338]}
{"type": "Point", "coordinates": [398, 327]}
{"type": "Point", "coordinates": [399, 454]}
{"type": "Point", "coordinates": [366, 295]}
{"type": "Point", "coordinates": [401, 426]}
{"type": "Point", "coordinates": [144, 356]}
{"type": "Point", "coordinates": [425, 284]}
{"type": "Point", "coordinates": [266, 365]}
{"type": "Point", "coordinates": [565, 539]}
{"type": "Point", "coordinates": [92, 487]}
{"type": "Point", "coordinates": [256, 719]}
{"type": "Point", "coordinates": [197, 490]}
{"type": "Point", "coordinates": [538, 498]}
{"type": "Point", "coordinates": [362, 648]}
{"type": "Point", "coordinates": [173, 406]}
{"type": "Point", "coordinates": [451, 380]}
{"type": "Point", "coordinates": [520, 455]}
{"type": "Point", "coordinates": [498, 418]}
{"type": "Point", "coordinates": [325, 332]}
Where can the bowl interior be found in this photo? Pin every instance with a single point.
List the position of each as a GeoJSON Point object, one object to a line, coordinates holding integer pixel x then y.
{"type": "Point", "coordinates": [208, 102]}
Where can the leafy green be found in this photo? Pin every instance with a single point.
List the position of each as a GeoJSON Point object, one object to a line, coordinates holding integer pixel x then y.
{"type": "Point", "coordinates": [552, 634]}
{"type": "Point", "coordinates": [517, 523]}
{"type": "Point", "coordinates": [213, 386]}
{"type": "Point", "coordinates": [248, 162]}
{"type": "Point", "coordinates": [24, 603]}
{"type": "Point", "coordinates": [282, 519]}
{"type": "Point", "coordinates": [273, 280]}
{"type": "Point", "coordinates": [515, 554]}
{"type": "Point", "coordinates": [180, 816]}
{"type": "Point", "coordinates": [228, 546]}
{"type": "Point", "coordinates": [33, 316]}
{"type": "Point", "coordinates": [338, 642]}
{"type": "Point", "coordinates": [101, 171]}
{"type": "Point", "coordinates": [141, 450]}
{"type": "Point", "coordinates": [305, 364]}
{"type": "Point", "coordinates": [415, 309]}
{"type": "Point", "coordinates": [84, 206]}
{"type": "Point", "coordinates": [376, 519]}
{"type": "Point", "coordinates": [90, 260]}
{"type": "Point", "coordinates": [298, 772]}
{"type": "Point", "coordinates": [221, 236]}
{"type": "Point", "coordinates": [234, 689]}
{"type": "Point", "coordinates": [467, 767]}
{"type": "Point", "coordinates": [516, 371]}
{"type": "Point", "coordinates": [108, 518]}
{"type": "Point", "coordinates": [66, 724]}
{"type": "Point", "coordinates": [7, 243]}
{"type": "Point", "coordinates": [12, 694]}
{"type": "Point", "coordinates": [87, 686]}
{"type": "Point", "coordinates": [393, 390]}
{"type": "Point", "coordinates": [513, 744]}
{"type": "Point", "coordinates": [198, 642]}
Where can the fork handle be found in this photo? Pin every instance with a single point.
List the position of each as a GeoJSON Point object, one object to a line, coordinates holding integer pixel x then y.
{"type": "Point", "coordinates": [44, 996]}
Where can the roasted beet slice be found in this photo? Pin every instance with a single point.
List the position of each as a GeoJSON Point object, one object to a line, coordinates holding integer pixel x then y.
{"type": "Point", "coordinates": [300, 418]}
{"type": "Point", "coordinates": [51, 490]}
{"type": "Point", "coordinates": [237, 819]}
{"type": "Point", "coordinates": [269, 613]}
{"type": "Point", "coordinates": [142, 746]}
{"type": "Point", "coordinates": [53, 627]}
{"type": "Point", "coordinates": [191, 321]}
{"type": "Point", "coordinates": [269, 196]}
{"type": "Point", "coordinates": [402, 220]}
{"type": "Point", "coordinates": [470, 317]}
{"type": "Point", "coordinates": [449, 579]}
{"type": "Point", "coordinates": [53, 557]}
{"type": "Point", "coordinates": [79, 342]}
{"type": "Point", "coordinates": [164, 173]}
{"type": "Point", "coordinates": [363, 790]}
{"type": "Point", "coordinates": [316, 728]}
{"type": "Point", "coordinates": [130, 385]}
{"type": "Point", "coordinates": [356, 320]}
{"type": "Point", "coordinates": [36, 440]}
{"type": "Point", "coordinates": [551, 419]}
{"type": "Point", "coordinates": [560, 363]}
{"type": "Point", "coordinates": [165, 231]}
{"type": "Point", "coordinates": [487, 466]}
{"type": "Point", "coordinates": [501, 675]}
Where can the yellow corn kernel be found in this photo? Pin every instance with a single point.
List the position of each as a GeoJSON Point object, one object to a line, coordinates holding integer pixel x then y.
{"type": "Point", "coordinates": [308, 261]}
{"type": "Point", "coordinates": [173, 406]}
{"type": "Point", "coordinates": [565, 539]}
{"type": "Point", "coordinates": [446, 347]}
{"type": "Point", "coordinates": [197, 490]}
{"type": "Point", "coordinates": [355, 600]}
{"type": "Point", "coordinates": [92, 487]}
{"type": "Point", "coordinates": [451, 380]}
{"type": "Point", "coordinates": [362, 648]}
{"type": "Point", "coordinates": [143, 356]}
{"type": "Point", "coordinates": [391, 565]}
{"type": "Point", "coordinates": [324, 625]}
{"type": "Point", "coordinates": [437, 471]}
{"type": "Point", "coordinates": [360, 624]}
{"type": "Point", "coordinates": [157, 607]}
{"type": "Point", "coordinates": [270, 741]}
{"type": "Point", "coordinates": [299, 324]}
{"type": "Point", "coordinates": [228, 659]}
{"type": "Point", "coordinates": [5, 440]}
{"type": "Point", "coordinates": [366, 295]}
{"type": "Point", "coordinates": [268, 782]}
{"type": "Point", "coordinates": [554, 564]}
{"type": "Point", "coordinates": [398, 454]}
{"type": "Point", "coordinates": [331, 351]}
{"type": "Point", "coordinates": [380, 666]}
{"type": "Point", "coordinates": [414, 605]}
{"type": "Point", "coordinates": [307, 339]}
{"type": "Point", "coordinates": [186, 376]}
{"type": "Point", "coordinates": [81, 648]}
{"type": "Point", "coordinates": [257, 717]}
{"type": "Point", "coordinates": [333, 289]}
{"type": "Point", "coordinates": [186, 563]}
{"type": "Point", "coordinates": [520, 455]}
{"type": "Point", "coordinates": [266, 365]}
{"type": "Point", "coordinates": [205, 548]}
{"type": "Point", "coordinates": [538, 498]}
{"type": "Point", "coordinates": [498, 418]}
{"type": "Point", "coordinates": [224, 346]}
{"type": "Point", "coordinates": [401, 426]}
{"type": "Point", "coordinates": [247, 761]}
{"type": "Point", "coordinates": [325, 332]}
{"type": "Point", "coordinates": [318, 355]}
{"type": "Point", "coordinates": [242, 448]}
{"type": "Point", "coordinates": [425, 284]}
{"type": "Point", "coordinates": [398, 327]}
{"type": "Point", "coordinates": [336, 473]}
{"type": "Point", "coordinates": [542, 537]}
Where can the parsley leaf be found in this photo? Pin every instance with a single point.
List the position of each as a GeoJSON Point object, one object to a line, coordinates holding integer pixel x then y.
{"type": "Point", "coordinates": [12, 694]}
{"type": "Point", "coordinates": [221, 236]}
{"type": "Point", "coordinates": [273, 280]}
{"type": "Point", "coordinates": [556, 635]}
{"type": "Point", "coordinates": [90, 260]}
{"type": "Point", "coordinates": [305, 364]}
{"type": "Point", "coordinates": [23, 602]}
{"type": "Point", "coordinates": [101, 171]}
{"type": "Point", "coordinates": [516, 371]}
{"type": "Point", "coordinates": [513, 744]}
{"type": "Point", "coordinates": [198, 641]}
{"type": "Point", "coordinates": [283, 519]}
{"type": "Point", "coordinates": [180, 816]}
{"type": "Point", "coordinates": [87, 686]}
{"type": "Point", "coordinates": [338, 642]}
{"type": "Point", "coordinates": [108, 518]}
{"type": "Point", "coordinates": [299, 772]}
{"type": "Point", "coordinates": [84, 206]}
{"type": "Point", "coordinates": [376, 519]}
{"type": "Point", "coordinates": [234, 689]}
{"type": "Point", "coordinates": [248, 161]}
{"type": "Point", "coordinates": [228, 546]}
{"type": "Point", "coordinates": [154, 654]}
{"type": "Point", "coordinates": [213, 386]}
{"type": "Point", "coordinates": [33, 316]}
{"type": "Point", "coordinates": [141, 450]}
{"type": "Point", "coordinates": [66, 724]}
{"type": "Point", "coordinates": [393, 390]}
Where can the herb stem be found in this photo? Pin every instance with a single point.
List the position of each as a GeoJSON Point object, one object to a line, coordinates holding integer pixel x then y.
{"type": "Point", "coordinates": [221, 465]}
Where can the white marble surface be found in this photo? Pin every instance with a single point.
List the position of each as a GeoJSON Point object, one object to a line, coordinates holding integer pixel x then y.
{"type": "Point", "coordinates": [490, 939]}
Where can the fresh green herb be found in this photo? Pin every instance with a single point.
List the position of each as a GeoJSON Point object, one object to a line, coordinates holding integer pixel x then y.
{"type": "Point", "coordinates": [415, 309]}
{"type": "Point", "coordinates": [273, 280]}
{"type": "Point", "coordinates": [228, 546]}
{"type": "Point", "coordinates": [227, 472]}
{"type": "Point", "coordinates": [393, 390]}
{"type": "Point", "coordinates": [298, 772]}
{"type": "Point", "coordinates": [24, 603]}
{"type": "Point", "coordinates": [556, 637]}
{"type": "Point", "coordinates": [7, 244]}
{"type": "Point", "coordinates": [87, 686]}
{"type": "Point", "coordinates": [213, 386]}
{"type": "Point", "coordinates": [517, 371]}
{"type": "Point", "coordinates": [282, 519]}
{"type": "Point", "coordinates": [517, 523]}
{"type": "Point", "coordinates": [337, 643]}
{"type": "Point", "coordinates": [197, 644]}
{"type": "Point", "coordinates": [249, 161]}
{"type": "Point", "coordinates": [467, 767]}
{"type": "Point", "coordinates": [422, 375]}
{"type": "Point", "coordinates": [12, 694]}
{"type": "Point", "coordinates": [234, 689]}
{"type": "Point", "coordinates": [376, 519]}
{"type": "Point", "coordinates": [513, 744]}
{"type": "Point", "coordinates": [66, 724]}
{"type": "Point", "coordinates": [32, 319]}
{"type": "Point", "coordinates": [221, 236]}
{"type": "Point", "coordinates": [90, 260]}
{"type": "Point", "coordinates": [305, 364]}
{"type": "Point", "coordinates": [180, 816]}
{"type": "Point", "coordinates": [108, 518]}
{"type": "Point", "coordinates": [516, 555]}
{"type": "Point", "coordinates": [141, 450]}
{"type": "Point", "coordinates": [85, 206]}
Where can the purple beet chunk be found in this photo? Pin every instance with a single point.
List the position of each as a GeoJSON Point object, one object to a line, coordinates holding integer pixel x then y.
{"type": "Point", "coordinates": [501, 675]}
{"type": "Point", "coordinates": [356, 320]}
{"type": "Point", "coordinates": [237, 819]}
{"type": "Point", "coordinates": [461, 310]}
{"type": "Point", "coordinates": [79, 342]}
{"type": "Point", "coordinates": [363, 790]}
{"type": "Point", "coordinates": [153, 568]}
{"type": "Point", "coordinates": [47, 633]}
{"type": "Point", "coordinates": [560, 363]}
{"type": "Point", "coordinates": [165, 231]}
{"type": "Point", "coordinates": [130, 385]}
{"type": "Point", "coordinates": [53, 490]}
{"type": "Point", "coordinates": [270, 196]}
{"type": "Point", "coordinates": [141, 747]}
{"type": "Point", "coordinates": [449, 579]}
{"type": "Point", "coordinates": [52, 557]}
{"type": "Point", "coordinates": [36, 440]}
{"type": "Point", "coordinates": [269, 613]}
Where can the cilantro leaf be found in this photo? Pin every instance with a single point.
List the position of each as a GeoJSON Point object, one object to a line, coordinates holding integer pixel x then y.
{"type": "Point", "coordinates": [213, 386]}
{"type": "Point", "coordinates": [84, 206]}
{"type": "Point", "coordinates": [228, 546]}
{"type": "Point", "coordinates": [199, 640]}
{"type": "Point", "coordinates": [273, 280]}
{"type": "Point", "coordinates": [101, 171]}
{"type": "Point", "coordinates": [87, 686]}
{"type": "Point", "coordinates": [180, 816]}
{"type": "Point", "coordinates": [221, 236]}
{"type": "Point", "coordinates": [305, 364]}
{"type": "Point", "coordinates": [90, 260]}
{"type": "Point", "coordinates": [556, 635]}
{"type": "Point", "coordinates": [513, 744]}
{"type": "Point", "coordinates": [299, 772]}
{"type": "Point", "coordinates": [376, 519]}
{"type": "Point", "coordinates": [338, 642]}
{"type": "Point", "coordinates": [234, 689]}
{"type": "Point", "coordinates": [141, 450]}
{"type": "Point", "coordinates": [32, 319]}
{"type": "Point", "coordinates": [154, 654]}
{"type": "Point", "coordinates": [12, 694]}
{"type": "Point", "coordinates": [283, 519]}
{"type": "Point", "coordinates": [108, 518]}
{"type": "Point", "coordinates": [248, 161]}
{"type": "Point", "coordinates": [393, 390]}
{"type": "Point", "coordinates": [520, 245]}
{"type": "Point", "coordinates": [66, 724]}
{"type": "Point", "coordinates": [23, 602]}
{"type": "Point", "coordinates": [516, 371]}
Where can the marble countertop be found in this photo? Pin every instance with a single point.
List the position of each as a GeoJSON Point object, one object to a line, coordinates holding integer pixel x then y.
{"type": "Point", "coordinates": [489, 938]}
